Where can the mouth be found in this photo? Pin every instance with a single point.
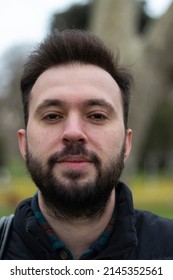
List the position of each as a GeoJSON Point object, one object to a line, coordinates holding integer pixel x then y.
{"type": "Point", "coordinates": [75, 162]}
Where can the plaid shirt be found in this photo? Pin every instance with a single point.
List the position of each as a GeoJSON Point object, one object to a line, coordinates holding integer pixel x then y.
{"type": "Point", "coordinates": [59, 249]}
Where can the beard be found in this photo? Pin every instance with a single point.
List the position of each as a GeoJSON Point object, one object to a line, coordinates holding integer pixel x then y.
{"type": "Point", "coordinates": [71, 197]}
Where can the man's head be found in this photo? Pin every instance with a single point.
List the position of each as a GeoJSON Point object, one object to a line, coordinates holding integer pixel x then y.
{"type": "Point", "coordinates": [70, 47]}
{"type": "Point", "coordinates": [76, 141]}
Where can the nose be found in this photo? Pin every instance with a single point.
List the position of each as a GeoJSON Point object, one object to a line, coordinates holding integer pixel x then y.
{"type": "Point", "coordinates": [74, 131]}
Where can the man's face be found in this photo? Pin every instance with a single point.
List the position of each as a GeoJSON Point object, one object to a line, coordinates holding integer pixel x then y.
{"type": "Point", "coordinates": [75, 139]}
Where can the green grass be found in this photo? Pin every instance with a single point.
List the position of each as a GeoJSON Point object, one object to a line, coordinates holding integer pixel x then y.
{"type": "Point", "coordinates": [6, 210]}
{"type": "Point", "coordinates": [18, 188]}
{"type": "Point", "coordinates": [162, 210]}
{"type": "Point", "coordinates": [153, 193]}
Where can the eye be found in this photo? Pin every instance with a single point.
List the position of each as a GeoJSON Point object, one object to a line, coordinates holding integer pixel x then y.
{"type": "Point", "coordinates": [98, 117]}
{"type": "Point", "coordinates": [51, 117]}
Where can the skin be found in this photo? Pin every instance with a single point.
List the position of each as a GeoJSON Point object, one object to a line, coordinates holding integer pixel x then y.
{"type": "Point", "coordinates": [70, 104]}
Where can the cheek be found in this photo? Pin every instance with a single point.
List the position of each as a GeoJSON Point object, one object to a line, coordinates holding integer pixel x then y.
{"type": "Point", "coordinates": [109, 142]}
{"type": "Point", "coordinates": [39, 143]}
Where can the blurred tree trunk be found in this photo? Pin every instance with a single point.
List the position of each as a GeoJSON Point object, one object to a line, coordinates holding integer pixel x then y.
{"type": "Point", "coordinates": [11, 117]}
{"type": "Point", "coordinates": [149, 56]}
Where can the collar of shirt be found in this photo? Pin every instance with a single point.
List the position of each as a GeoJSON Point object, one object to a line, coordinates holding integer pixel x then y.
{"type": "Point", "coordinates": [59, 248]}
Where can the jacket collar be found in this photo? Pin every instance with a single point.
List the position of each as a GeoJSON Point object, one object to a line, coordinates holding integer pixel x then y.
{"type": "Point", "coordinates": [31, 233]}
{"type": "Point", "coordinates": [124, 238]}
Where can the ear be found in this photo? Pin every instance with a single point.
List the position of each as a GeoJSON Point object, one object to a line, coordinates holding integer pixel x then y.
{"type": "Point", "coordinates": [22, 141]}
{"type": "Point", "coordinates": [128, 143]}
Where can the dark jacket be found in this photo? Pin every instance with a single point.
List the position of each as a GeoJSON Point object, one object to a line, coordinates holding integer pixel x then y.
{"type": "Point", "coordinates": [136, 235]}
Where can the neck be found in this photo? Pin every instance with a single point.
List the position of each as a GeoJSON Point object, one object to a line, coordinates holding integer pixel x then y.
{"type": "Point", "coordinates": [83, 232]}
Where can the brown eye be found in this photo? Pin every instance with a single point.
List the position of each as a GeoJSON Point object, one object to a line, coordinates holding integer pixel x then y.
{"type": "Point", "coordinates": [52, 117]}
{"type": "Point", "coordinates": [98, 117]}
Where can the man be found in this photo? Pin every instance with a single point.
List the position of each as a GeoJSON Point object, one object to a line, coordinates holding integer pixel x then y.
{"type": "Point", "coordinates": [75, 143]}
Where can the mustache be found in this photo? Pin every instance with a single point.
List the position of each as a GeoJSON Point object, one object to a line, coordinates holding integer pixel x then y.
{"type": "Point", "coordinates": [74, 150]}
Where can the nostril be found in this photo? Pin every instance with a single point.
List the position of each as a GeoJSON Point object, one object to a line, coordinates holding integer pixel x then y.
{"type": "Point", "coordinates": [71, 141]}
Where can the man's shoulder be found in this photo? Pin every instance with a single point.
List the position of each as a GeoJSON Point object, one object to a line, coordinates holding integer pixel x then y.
{"type": "Point", "coordinates": [5, 229]}
{"type": "Point", "coordinates": [152, 222]}
{"type": "Point", "coordinates": [154, 234]}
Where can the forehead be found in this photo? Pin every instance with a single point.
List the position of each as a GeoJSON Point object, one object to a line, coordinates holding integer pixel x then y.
{"type": "Point", "coordinates": [75, 83]}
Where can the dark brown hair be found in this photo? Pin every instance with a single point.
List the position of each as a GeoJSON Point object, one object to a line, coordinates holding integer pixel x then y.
{"type": "Point", "coordinates": [69, 47]}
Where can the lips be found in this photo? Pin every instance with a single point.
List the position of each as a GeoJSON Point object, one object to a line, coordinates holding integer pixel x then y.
{"type": "Point", "coordinates": [75, 159]}
{"type": "Point", "coordinates": [75, 162]}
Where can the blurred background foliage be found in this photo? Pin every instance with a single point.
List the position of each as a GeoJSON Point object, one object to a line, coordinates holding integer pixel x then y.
{"type": "Point", "coordinates": [146, 47]}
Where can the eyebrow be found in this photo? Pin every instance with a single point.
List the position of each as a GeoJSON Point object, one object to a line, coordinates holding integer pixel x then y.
{"type": "Point", "coordinates": [87, 103]}
{"type": "Point", "coordinates": [99, 102]}
{"type": "Point", "coordinates": [50, 103]}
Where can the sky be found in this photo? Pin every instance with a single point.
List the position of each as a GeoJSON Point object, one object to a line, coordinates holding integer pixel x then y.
{"type": "Point", "coordinates": [27, 21]}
